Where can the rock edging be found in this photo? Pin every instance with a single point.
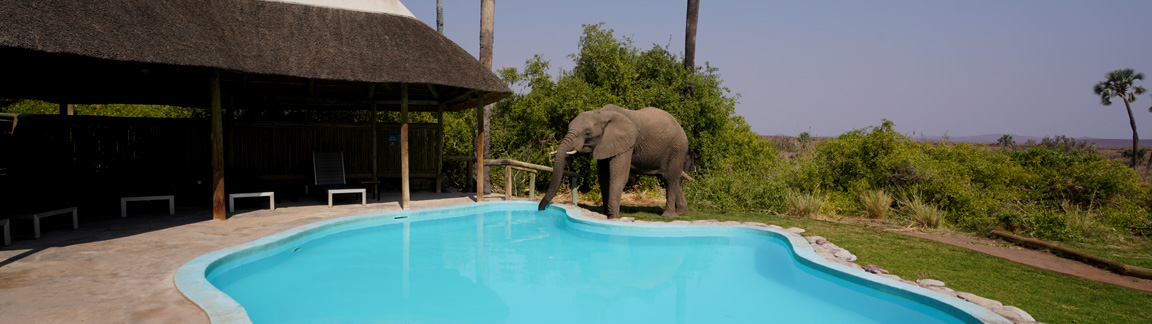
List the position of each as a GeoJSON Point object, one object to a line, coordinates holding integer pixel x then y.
{"type": "Point", "coordinates": [830, 251]}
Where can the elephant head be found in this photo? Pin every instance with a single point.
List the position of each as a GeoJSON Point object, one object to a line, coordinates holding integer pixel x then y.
{"type": "Point", "coordinates": [605, 133]}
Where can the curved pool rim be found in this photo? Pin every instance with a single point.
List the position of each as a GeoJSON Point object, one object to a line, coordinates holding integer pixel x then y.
{"type": "Point", "coordinates": [191, 279]}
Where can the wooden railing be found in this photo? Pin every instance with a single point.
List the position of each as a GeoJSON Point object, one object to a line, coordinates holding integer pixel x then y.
{"type": "Point", "coordinates": [510, 165]}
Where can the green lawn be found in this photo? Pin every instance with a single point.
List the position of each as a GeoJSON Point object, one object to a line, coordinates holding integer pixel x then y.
{"type": "Point", "coordinates": [1128, 249]}
{"type": "Point", "coordinates": [1049, 297]}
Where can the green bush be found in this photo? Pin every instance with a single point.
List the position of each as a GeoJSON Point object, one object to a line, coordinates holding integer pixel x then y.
{"type": "Point", "coordinates": [977, 187]}
{"type": "Point", "coordinates": [748, 190]}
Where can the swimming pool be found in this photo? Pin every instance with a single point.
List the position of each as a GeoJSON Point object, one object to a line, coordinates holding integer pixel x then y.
{"type": "Point", "coordinates": [505, 262]}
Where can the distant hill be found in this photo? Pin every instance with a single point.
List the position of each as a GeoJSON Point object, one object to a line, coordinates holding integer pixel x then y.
{"type": "Point", "coordinates": [1020, 139]}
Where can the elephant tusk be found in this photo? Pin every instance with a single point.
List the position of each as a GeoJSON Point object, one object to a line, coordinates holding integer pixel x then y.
{"type": "Point", "coordinates": [573, 152]}
{"type": "Point", "coordinates": [552, 153]}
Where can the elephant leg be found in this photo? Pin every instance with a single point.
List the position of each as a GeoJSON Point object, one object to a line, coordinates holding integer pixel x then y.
{"type": "Point", "coordinates": [681, 203]}
{"type": "Point", "coordinates": [671, 188]}
{"type": "Point", "coordinates": [619, 167]}
{"type": "Point", "coordinates": [602, 167]}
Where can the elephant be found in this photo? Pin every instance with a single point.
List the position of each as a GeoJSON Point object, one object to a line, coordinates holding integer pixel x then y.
{"type": "Point", "coordinates": [646, 141]}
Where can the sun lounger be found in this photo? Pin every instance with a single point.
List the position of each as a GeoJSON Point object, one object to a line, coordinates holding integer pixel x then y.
{"type": "Point", "coordinates": [270, 194]}
{"type": "Point", "coordinates": [124, 203]}
{"type": "Point", "coordinates": [328, 172]}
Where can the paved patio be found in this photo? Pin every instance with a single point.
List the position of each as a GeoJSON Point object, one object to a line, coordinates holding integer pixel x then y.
{"type": "Point", "coordinates": [119, 270]}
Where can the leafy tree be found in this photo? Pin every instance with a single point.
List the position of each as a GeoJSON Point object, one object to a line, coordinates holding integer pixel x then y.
{"type": "Point", "coordinates": [1006, 141]}
{"type": "Point", "coordinates": [804, 139]}
{"type": "Point", "coordinates": [1119, 84]}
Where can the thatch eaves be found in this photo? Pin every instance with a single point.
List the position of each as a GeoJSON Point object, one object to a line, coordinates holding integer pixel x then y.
{"type": "Point", "coordinates": [272, 55]}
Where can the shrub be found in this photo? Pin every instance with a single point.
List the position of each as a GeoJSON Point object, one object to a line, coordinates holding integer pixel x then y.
{"type": "Point", "coordinates": [1080, 222]}
{"type": "Point", "coordinates": [876, 203]}
{"type": "Point", "coordinates": [922, 213]}
{"type": "Point", "coordinates": [807, 205]}
{"type": "Point", "coordinates": [746, 190]}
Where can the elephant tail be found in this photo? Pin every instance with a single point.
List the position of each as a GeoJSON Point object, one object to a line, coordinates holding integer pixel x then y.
{"type": "Point", "coordinates": [690, 161]}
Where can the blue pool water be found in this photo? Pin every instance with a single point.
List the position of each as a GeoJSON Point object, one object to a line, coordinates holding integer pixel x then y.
{"type": "Point", "coordinates": [517, 265]}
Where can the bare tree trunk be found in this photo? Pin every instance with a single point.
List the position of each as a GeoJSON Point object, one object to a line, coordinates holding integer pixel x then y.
{"type": "Point", "coordinates": [1135, 138]}
{"type": "Point", "coordinates": [440, 16]}
{"type": "Point", "coordinates": [487, 23]}
{"type": "Point", "coordinates": [690, 35]}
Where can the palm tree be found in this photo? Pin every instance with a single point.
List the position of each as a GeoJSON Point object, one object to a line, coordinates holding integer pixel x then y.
{"type": "Point", "coordinates": [690, 35]}
{"type": "Point", "coordinates": [1119, 84]}
{"type": "Point", "coordinates": [440, 16]}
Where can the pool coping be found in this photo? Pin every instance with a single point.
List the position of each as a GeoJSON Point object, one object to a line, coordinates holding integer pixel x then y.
{"type": "Point", "coordinates": [191, 278]}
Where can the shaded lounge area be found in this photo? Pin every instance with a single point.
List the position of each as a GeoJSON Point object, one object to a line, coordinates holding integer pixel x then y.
{"type": "Point", "coordinates": [226, 57]}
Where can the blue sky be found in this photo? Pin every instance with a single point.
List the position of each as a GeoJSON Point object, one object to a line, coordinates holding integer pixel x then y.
{"type": "Point", "coordinates": [961, 68]}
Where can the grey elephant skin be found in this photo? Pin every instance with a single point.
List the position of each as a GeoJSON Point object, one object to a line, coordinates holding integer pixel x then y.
{"type": "Point", "coordinates": [646, 141]}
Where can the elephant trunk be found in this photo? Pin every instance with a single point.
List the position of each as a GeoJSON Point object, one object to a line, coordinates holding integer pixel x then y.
{"type": "Point", "coordinates": [569, 145]}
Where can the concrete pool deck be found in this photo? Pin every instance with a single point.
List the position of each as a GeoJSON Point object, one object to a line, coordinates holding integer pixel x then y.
{"type": "Point", "coordinates": [119, 270]}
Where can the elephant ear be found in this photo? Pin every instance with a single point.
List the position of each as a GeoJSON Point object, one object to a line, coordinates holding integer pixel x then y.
{"type": "Point", "coordinates": [619, 137]}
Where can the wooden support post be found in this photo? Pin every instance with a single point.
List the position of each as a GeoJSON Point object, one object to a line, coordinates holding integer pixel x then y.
{"type": "Point", "coordinates": [532, 186]}
{"type": "Point", "coordinates": [218, 210]}
{"type": "Point", "coordinates": [66, 110]}
{"type": "Point", "coordinates": [507, 182]}
{"type": "Point", "coordinates": [439, 137]}
{"type": "Point", "coordinates": [439, 147]}
{"type": "Point", "coordinates": [479, 146]}
{"type": "Point", "coordinates": [375, 155]}
{"type": "Point", "coordinates": [405, 195]}
{"type": "Point", "coordinates": [575, 190]}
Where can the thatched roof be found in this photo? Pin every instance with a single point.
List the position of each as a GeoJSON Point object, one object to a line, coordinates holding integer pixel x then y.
{"type": "Point", "coordinates": [273, 55]}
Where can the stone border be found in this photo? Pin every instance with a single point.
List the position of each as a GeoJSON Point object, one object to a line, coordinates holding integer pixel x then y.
{"type": "Point", "coordinates": [831, 252]}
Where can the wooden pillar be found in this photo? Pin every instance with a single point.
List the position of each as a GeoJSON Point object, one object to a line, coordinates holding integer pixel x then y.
{"type": "Point", "coordinates": [439, 136]}
{"type": "Point", "coordinates": [218, 211]}
{"type": "Point", "coordinates": [439, 147]}
{"type": "Point", "coordinates": [375, 155]}
{"type": "Point", "coordinates": [479, 146]}
{"type": "Point", "coordinates": [532, 186]}
{"type": "Point", "coordinates": [66, 110]}
{"type": "Point", "coordinates": [404, 183]}
{"type": "Point", "coordinates": [507, 182]}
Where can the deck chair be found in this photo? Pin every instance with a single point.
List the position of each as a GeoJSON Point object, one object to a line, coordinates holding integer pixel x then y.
{"type": "Point", "coordinates": [328, 172]}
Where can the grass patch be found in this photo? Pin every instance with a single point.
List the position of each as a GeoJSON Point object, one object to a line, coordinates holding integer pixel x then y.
{"type": "Point", "coordinates": [922, 213]}
{"type": "Point", "coordinates": [807, 205]}
{"type": "Point", "coordinates": [1127, 249]}
{"type": "Point", "coordinates": [876, 203]}
{"type": "Point", "coordinates": [1049, 297]}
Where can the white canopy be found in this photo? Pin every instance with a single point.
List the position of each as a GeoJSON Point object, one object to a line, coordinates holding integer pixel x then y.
{"type": "Point", "coordinates": [393, 7]}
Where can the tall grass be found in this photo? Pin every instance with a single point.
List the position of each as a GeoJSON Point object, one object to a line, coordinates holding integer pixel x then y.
{"type": "Point", "coordinates": [807, 205]}
{"type": "Point", "coordinates": [876, 203]}
{"type": "Point", "coordinates": [1080, 222]}
{"type": "Point", "coordinates": [922, 213]}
